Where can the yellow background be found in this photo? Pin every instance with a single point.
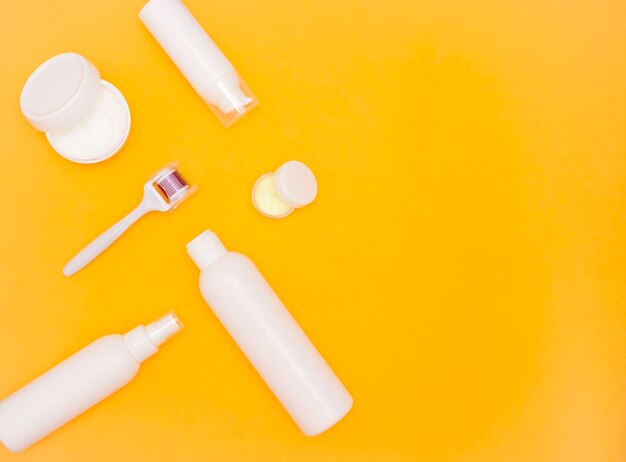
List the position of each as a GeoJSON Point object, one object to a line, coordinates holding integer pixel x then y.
{"type": "Point", "coordinates": [462, 269]}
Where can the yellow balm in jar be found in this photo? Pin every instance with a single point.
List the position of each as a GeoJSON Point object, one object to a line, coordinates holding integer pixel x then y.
{"type": "Point", "coordinates": [292, 186]}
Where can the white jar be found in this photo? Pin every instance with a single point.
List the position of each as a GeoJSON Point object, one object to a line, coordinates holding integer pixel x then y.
{"type": "Point", "coordinates": [85, 119]}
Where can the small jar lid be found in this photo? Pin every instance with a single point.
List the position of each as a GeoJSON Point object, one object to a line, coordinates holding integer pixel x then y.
{"type": "Point", "coordinates": [60, 92]}
{"type": "Point", "coordinates": [295, 184]}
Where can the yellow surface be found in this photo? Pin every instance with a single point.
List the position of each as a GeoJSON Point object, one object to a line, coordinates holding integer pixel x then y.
{"type": "Point", "coordinates": [462, 269]}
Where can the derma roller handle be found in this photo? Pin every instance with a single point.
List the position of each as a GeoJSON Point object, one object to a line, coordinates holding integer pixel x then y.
{"type": "Point", "coordinates": [102, 242]}
{"type": "Point", "coordinates": [162, 193]}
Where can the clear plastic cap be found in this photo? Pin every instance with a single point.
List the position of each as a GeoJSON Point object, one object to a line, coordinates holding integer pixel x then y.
{"type": "Point", "coordinates": [163, 329]}
{"type": "Point", "coordinates": [229, 98]}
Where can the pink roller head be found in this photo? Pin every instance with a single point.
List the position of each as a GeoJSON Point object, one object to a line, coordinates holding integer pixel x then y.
{"type": "Point", "coordinates": [172, 185]}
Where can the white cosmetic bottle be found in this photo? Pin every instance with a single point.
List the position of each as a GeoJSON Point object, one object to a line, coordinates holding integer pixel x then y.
{"type": "Point", "coordinates": [269, 336]}
{"type": "Point", "coordinates": [78, 383]}
{"type": "Point", "coordinates": [199, 59]}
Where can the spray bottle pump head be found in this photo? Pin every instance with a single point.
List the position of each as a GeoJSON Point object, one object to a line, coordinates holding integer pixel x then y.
{"type": "Point", "coordinates": [144, 341]}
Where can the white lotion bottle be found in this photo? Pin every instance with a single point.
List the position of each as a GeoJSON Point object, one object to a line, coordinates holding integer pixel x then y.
{"type": "Point", "coordinates": [78, 383]}
{"type": "Point", "coordinates": [269, 336]}
{"type": "Point", "coordinates": [199, 59]}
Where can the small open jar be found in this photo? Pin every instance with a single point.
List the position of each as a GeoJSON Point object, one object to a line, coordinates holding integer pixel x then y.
{"type": "Point", "coordinates": [292, 186]}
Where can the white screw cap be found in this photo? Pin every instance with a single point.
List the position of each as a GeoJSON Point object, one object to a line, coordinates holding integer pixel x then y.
{"type": "Point", "coordinates": [295, 184]}
{"type": "Point", "coordinates": [59, 92]}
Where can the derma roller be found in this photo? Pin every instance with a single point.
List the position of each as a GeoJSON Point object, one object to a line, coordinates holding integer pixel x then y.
{"type": "Point", "coordinates": [164, 192]}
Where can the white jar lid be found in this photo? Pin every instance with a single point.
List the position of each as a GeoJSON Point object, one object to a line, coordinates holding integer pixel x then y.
{"type": "Point", "coordinates": [86, 119]}
{"type": "Point", "coordinates": [59, 92]}
{"type": "Point", "coordinates": [295, 184]}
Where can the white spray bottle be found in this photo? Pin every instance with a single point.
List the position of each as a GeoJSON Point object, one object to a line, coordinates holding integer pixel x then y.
{"type": "Point", "coordinates": [269, 336]}
{"type": "Point", "coordinates": [78, 383]}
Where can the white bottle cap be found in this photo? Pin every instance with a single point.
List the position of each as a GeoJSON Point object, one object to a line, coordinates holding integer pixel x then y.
{"type": "Point", "coordinates": [205, 249]}
{"type": "Point", "coordinates": [59, 92]}
{"type": "Point", "coordinates": [292, 186]}
{"type": "Point", "coordinates": [199, 59]}
{"type": "Point", "coordinates": [295, 183]}
{"type": "Point", "coordinates": [86, 119]}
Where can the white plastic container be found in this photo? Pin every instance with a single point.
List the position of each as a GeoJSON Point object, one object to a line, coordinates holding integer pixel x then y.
{"type": "Point", "coordinates": [85, 119]}
{"type": "Point", "coordinates": [78, 383]}
{"type": "Point", "coordinates": [199, 59]}
{"type": "Point", "coordinates": [269, 336]}
{"type": "Point", "coordinates": [292, 186]}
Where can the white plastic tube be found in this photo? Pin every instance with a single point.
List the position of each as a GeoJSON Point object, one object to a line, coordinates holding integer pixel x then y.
{"type": "Point", "coordinates": [199, 59]}
{"type": "Point", "coordinates": [269, 336]}
{"type": "Point", "coordinates": [78, 383]}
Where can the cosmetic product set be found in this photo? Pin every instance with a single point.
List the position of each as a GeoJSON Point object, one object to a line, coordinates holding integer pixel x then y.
{"type": "Point", "coordinates": [87, 120]}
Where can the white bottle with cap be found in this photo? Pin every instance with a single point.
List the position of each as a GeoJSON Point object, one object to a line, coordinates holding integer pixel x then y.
{"type": "Point", "coordinates": [78, 383]}
{"type": "Point", "coordinates": [199, 59]}
{"type": "Point", "coordinates": [269, 336]}
{"type": "Point", "coordinates": [292, 186]}
{"type": "Point", "coordinates": [86, 119]}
